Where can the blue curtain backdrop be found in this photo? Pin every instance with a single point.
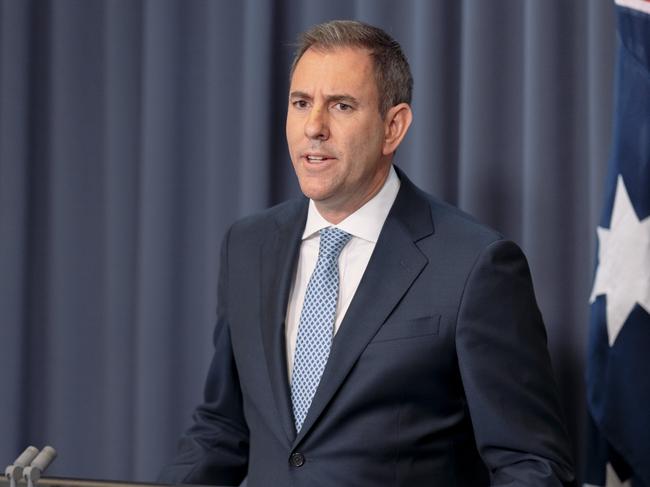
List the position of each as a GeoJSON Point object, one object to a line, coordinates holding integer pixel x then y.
{"type": "Point", "coordinates": [132, 133]}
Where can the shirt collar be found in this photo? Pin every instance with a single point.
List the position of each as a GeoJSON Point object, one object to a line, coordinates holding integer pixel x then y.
{"type": "Point", "coordinates": [367, 221]}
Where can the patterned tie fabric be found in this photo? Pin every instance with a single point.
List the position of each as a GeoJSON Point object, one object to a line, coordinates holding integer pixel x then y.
{"type": "Point", "coordinates": [316, 326]}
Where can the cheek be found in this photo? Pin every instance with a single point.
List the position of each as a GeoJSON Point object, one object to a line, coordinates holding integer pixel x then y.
{"type": "Point", "coordinates": [290, 137]}
{"type": "Point", "coordinates": [293, 131]}
{"type": "Point", "coordinates": [365, 150]}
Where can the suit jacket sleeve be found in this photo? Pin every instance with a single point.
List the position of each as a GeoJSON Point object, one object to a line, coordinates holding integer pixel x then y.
{"type": "Point", "coordinates": [507, 374]}
{"type": "Point", "coordinates": [214, 450]}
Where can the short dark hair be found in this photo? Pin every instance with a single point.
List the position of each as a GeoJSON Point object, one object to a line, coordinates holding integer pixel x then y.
{"type": "Point", "coordinates": [392, 71]}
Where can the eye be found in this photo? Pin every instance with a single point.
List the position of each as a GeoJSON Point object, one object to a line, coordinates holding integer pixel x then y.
{"type": "Point", "coordinates": [343, 107]}
{"type": "Point", "coordinates": [299, 104]}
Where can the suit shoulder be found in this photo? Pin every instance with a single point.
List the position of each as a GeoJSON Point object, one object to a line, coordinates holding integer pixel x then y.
{"type": "Point", "coordinates": [471, 239]}
{"type": "Point", "coordinates": [454, 221]}
{"type": "Point", "coordinates": [257, 224]}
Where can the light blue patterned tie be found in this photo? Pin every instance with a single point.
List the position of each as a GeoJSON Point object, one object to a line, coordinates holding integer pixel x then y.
{"type": "Point", "coordinates": [316, 326]}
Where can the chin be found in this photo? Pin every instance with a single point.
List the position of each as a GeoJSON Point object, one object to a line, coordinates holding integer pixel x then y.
{"type": "Point", "coordinates": [315, 193]}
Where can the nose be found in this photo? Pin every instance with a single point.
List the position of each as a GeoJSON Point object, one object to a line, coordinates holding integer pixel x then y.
{"type": "Point", "coordinates": [316, 125]}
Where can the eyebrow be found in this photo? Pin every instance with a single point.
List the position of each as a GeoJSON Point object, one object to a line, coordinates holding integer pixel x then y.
{"type": "Point", "coordinates": [329, 98]}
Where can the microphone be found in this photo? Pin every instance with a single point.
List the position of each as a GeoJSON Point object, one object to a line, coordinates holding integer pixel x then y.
{"type": "Point", "coordinates": [14, 472]}
{"type": "Point", "coordinates": [38, 465]}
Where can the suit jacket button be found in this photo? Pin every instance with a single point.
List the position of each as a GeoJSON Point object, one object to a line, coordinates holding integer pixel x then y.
{"type": "Point", "coordinates": [297, 460]}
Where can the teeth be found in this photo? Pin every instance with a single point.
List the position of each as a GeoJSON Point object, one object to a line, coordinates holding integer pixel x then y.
{"type": "Point", "coordinates": [315, 158]}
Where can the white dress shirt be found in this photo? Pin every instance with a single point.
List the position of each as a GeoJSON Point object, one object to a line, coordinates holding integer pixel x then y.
{"type": "Point", "coordinates": [364, 225]}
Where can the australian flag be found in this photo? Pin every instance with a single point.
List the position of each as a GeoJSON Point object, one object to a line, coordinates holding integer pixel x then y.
{"type": "Point", "coordinates": [618, 368]}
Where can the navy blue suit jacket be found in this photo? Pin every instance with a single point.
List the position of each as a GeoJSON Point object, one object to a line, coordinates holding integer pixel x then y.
{"type": "Point", "coordinates": [439, 374]}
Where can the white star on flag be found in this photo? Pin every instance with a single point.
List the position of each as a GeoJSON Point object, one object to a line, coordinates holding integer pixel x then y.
{"type": "Point", "coordinates": [623, 272]}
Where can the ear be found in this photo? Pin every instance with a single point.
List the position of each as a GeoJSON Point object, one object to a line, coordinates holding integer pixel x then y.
{"type": "Point", "coordinates": [396, 124]}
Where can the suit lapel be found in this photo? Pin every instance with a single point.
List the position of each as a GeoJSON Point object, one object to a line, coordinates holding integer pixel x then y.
{"type": "Point", "coordinates": [395, 264]}
{"type": "Point", "coordinates": [278, 257]}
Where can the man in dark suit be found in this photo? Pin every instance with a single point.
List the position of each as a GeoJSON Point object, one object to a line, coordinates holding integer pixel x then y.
{"type": "Point", "coordinates": [369, 334]}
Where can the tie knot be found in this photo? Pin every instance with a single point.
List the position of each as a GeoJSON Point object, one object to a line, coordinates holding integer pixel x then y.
{"type": "Point", "coordinates": [332, 241]}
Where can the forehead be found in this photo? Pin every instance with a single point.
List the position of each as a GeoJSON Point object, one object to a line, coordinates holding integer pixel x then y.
{"type": "Point", "coordinates": [336, 69]}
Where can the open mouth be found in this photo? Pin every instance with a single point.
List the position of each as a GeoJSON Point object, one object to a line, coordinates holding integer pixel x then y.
{"type": "Point", "coordinates": [317, 159]}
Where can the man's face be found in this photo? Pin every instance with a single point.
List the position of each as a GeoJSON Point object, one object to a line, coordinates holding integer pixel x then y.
{"type": "Point", "coordinates": [335, 131]}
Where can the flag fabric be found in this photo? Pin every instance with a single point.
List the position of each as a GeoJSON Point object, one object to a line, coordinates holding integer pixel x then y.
{"type": "Point", "coordinates": [618, 361]}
